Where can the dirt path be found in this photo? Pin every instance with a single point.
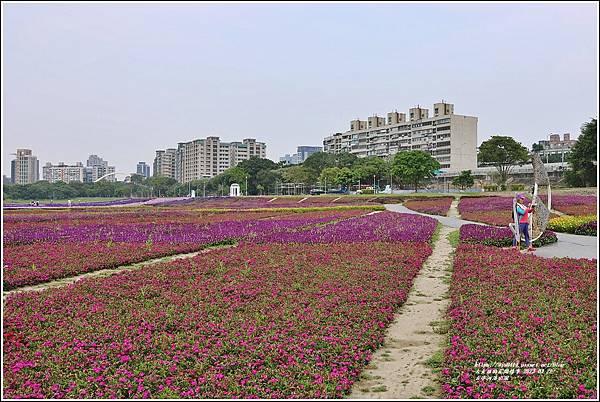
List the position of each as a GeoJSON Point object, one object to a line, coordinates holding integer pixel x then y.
{"type": "Point", "coordinates": [107, 272]}
{"type": "Point", "coordinates": [453, 211]}
{"type": "Point", "coordinates": [401, 368]}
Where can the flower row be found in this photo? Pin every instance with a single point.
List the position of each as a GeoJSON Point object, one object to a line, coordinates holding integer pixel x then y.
{"type": "Point", "coordinates": [434, 206]}
{"type": "Point", "coordinates": [536, 314]}
{"type": "Point", "coordinates": [89, 248]}
{"type": "Point", "coordinates": [581, 225]}
{"type": "Point", "coordinates": [255, 321]}
{"type": "Point", "coordinates": [380, 226]}
{"type": "Point", "coordinates": [498, 236]}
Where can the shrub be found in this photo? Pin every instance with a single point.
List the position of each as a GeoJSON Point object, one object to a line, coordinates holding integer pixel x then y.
{"type": "Point", "coordinates": [517, 187]}
{"type": "Point", "coordinates": [490, 187]}
{"type": "Point", "coordinates": [587, 229]}
{"type": "Point", "coordinates": [584, 225]}
{"type": "Point", "coordinates": [498, 236]}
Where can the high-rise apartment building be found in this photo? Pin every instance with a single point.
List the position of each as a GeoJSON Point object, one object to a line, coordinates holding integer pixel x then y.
{"type": "Point", "coordinates": [26, 167]}
{"type": "Point", "coordinates": [65, 173]}
{"type": "Point", "coordinates": [97, 168]}
{"type": "Point", "coordinates": [164, 163]}
{"type": "Point", "coordinates": [450, 138]}
{"type": "Point", "coordinates": [143, 169]}
{"type": "Point", "coordinates": [205, 158]}
{"type": "Point", "coordinates": [301, 154]}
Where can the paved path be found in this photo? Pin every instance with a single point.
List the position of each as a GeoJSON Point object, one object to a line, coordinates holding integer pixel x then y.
{"type": "Point", "coordinates": [568, 245]}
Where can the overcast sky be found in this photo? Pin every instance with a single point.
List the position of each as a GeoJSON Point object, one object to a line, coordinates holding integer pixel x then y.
{"type": "Point", "coordinates": [122, 80]}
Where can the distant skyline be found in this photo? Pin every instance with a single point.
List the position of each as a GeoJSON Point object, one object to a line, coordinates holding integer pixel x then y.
{"type": "Point", "coordinates": [123, 80]}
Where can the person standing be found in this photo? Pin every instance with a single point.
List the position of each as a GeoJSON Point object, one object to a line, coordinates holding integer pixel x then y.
{"type": "Point", "coordinates": [523, 212]}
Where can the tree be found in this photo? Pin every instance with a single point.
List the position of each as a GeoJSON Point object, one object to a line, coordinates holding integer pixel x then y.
{"type": "Point", "coordinates": [537, 147]}
{"type": "Point", "coordinates": [319, 161]}
{"type": "Point", "coordinates": [329, 175]}
{"type": "Point", "coordinates": [266, 179]}
{"type": "Point", "coordinates": [161, 184]}
{"type": "Point", "coordinates": [344, 159]}
{"type": "Point", "coordinates": [345, 177]}
{"type": "Point", "coordinates": [299, 174]}
{"type": "Point", "coordinates": [137, 178]}
{"type": "Point", "coordinates": [366, 168]}
{"type": "Point", "coordinates": [503, 153]}
{"type": "Point", "coordinates": [583, 157]}
{"type": "Point", "coordinates": [463, 180]}
{"type": "Point", "coordinates": [253, 165]}
{"type": "Point", "coordinates": [414, 166]}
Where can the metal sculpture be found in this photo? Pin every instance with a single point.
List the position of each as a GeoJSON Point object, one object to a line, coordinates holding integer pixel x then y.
{"type": "Point", "coordinates": [538, 221]}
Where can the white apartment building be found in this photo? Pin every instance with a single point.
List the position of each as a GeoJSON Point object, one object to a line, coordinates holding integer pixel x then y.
{"type": "Point", "coordinates": [450, 138]}
{"type": "Point", "coordinates": [97, 168]}
{"type": "Point", "coordinates": [25, 168]}
{"type": "Point", "coordinates": [65, 173]}
{"type": "Point", "coordinates": [206, 158]}
{"type": "Point", "coordinates": [164, 163]}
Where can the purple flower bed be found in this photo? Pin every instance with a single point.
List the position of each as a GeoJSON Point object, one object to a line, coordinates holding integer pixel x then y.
{"type": "Point", "coordinates": [124, 201]}
{"type": "Point", "coordinates": [150, 232]}
{"type": "Point", "coordinates": [576, 205]}
{"type": "Point", "coordinates": [498, 236]}
{"type": "Point", "coordinates": [588, 229]}
{"type": "Point", "coordinates": [383, 226]}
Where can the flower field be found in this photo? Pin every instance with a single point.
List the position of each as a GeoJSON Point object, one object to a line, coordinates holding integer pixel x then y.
{"type": "Point", "coordinates": [254, 321]}
{"type": "Point", "coordinates": [580, 225]}
{"type": "Point", "coordinates": [434, 206]}
{"type": "Point", "coordinates": [382, 226]}
{"type": "Point", "coordinates": [495, 211]}
{"type": "Point", "coordinates": [513, 308]}
{"type": "Point", "coordinates": [576, 205]}
{"type": "Point", "coordinates": [279, 202]}
{"type": "Point", "coordinates": [36, 252]}
{"type": "Point", "coordinates": [498, 236]}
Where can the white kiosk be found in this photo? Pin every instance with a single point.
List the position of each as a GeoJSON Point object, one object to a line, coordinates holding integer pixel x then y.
{"type": "Point", "coordinates": [234, 190]}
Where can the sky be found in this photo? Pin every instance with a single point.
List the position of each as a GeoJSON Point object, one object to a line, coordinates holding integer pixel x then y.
{"type": "Point", "coordinates": [123, 80]}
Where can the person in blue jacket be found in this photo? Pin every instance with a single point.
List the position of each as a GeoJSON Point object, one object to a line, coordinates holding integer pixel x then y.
{"type": "Point", "coordinates": [523, 212]}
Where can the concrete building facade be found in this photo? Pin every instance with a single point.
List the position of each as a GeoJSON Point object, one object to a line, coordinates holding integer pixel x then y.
{"type": "Point", "coordinates": [143, 169]}
{"type": "Point", "coordinates": [164, 163]}
{"type": "Point", "coordinates": [208, 157]}
{"type": "Point", "coordinates": [554, 149]}
{"type": "Point", "coordinates": [65, 173]}
{"type": "Point", "coordinates": [26, 167]}
{"type": "Point", "coordinates": [98, 167]}
{"type": "Point", "coordinates": [450, 138]}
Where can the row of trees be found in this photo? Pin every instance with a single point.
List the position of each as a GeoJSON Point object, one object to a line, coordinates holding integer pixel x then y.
{"type": "Point", "coordinates": [256, 176]}
{"type": "Point", "coordinates": [260, 176]}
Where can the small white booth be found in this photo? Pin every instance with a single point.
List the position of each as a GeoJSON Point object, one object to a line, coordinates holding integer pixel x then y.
{"type": "Point", "coordinates": [234, 190]}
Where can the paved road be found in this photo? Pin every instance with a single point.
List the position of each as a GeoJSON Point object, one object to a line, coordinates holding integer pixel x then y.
{"type": "Point", "coordinates": [568, 245]}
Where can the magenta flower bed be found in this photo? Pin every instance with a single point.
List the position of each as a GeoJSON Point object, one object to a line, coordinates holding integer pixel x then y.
{"type": "Point", "coordinates": [577, 205]}
{"type": "Point", "coordinates": [36, 256]}
{"type": "Point", "coordinates": [433, 206]}
{"type": "Point", "coordinates": [512, 308]}
{"type": "Point", "coordinates": [268, 321]}
{"type": "Point", "coordinates": [109, 203]}
{"type": "Point", "coordinates": [498, 236]}
{"type": "Point", "coordinates": [381, 226]}
{"type": "Point", "coordinates": [491, 210]}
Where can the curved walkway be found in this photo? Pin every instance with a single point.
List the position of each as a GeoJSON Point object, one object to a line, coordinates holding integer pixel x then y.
{"type": "Point", "coordinates": [568, 245]}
